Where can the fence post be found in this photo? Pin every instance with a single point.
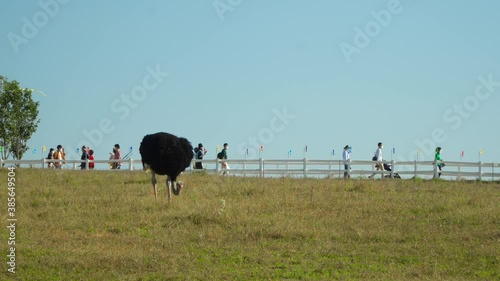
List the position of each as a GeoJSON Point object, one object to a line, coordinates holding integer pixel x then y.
{"type": "Point", "coordinates": [305, 167]}
{"type": "Point", "coordinates": [480, 171]}
{"type": "Point", "coordinates": [216, 166]}
{"type": "Point", "coordinates": [459, 168]}
{"type": "Point", "coordinates": [1, 162]}
{"type": "Point", "coordinates": [87, 164]}
{"type": "Point", "coordinates": [415, 168]}
{"type": "Point", "coordinates": [130, 162]}
{"type": "Point", "coordinates": [435, 169]}
{"type": "Point", "coordinates": [392, 169]}
{"type": "Point", "coordinates": [348, 168]}
{"type": "Point", "coordinates": [261, 167]}
{"type": "Point", "coordinates": [43, 163]}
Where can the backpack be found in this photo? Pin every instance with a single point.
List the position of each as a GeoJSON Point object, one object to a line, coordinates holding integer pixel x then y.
{"type": "Point", "coordinates": [220, 155]}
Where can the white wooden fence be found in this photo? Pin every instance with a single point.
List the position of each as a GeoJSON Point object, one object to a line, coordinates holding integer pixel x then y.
{"type": "Point", "coordinates": [301, 168]}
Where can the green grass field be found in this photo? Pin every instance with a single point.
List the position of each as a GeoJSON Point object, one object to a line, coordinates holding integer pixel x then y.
{"type": "Point", "coordinates": [100, 225]}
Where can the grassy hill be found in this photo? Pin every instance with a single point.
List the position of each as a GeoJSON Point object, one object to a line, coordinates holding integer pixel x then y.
{"type": "Point", "coordinates": [100, 225]}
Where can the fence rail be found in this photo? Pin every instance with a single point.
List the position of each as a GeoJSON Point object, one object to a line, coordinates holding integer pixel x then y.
{"type": "Point", "coordinates": [300, 167]}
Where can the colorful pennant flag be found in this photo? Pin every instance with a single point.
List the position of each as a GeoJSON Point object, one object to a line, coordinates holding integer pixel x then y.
{"type": "Point", "coordinates": [261, 148]}
{"type": "Point", "coordinates": [218, 148]}
{"type": "Point", "coordinates": [333, 152]}
{"type": "Point", "coordinates": [419, 153]}
{"type": "Point", "coordinates": [34, 151]}
{"type": "Point", "coordinates": [480, 151]}
{"type": "Point", "coordinates": [462, 155]}
{"type": "Point", "coordinates": [130, 149]}
{"type": "Point", "coordinates": [290, 152]}
{"type": "Point", "coordinates": [305, 149]}
{"type": "Point", "coordinates": [44, 148]}
{"type": "Point", "coordinates": [393, 150]}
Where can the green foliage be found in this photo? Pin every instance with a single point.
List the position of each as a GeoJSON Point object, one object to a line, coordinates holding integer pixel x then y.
{"type": "Point", "coordinates": [101, 225]}
{"type": "Point", "coordinates": [18, 118]}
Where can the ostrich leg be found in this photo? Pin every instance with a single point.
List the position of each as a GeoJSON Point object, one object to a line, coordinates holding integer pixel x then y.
{"type": "Point", "coordinates": [169, 188]}
{"type": "Point", "coordinates": [153, 181]}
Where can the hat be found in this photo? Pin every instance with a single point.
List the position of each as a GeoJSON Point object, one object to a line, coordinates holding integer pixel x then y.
{"type": "Point", "coordinates": [200, 145]}
{"type": "Point", "coordinates": [346, 147]}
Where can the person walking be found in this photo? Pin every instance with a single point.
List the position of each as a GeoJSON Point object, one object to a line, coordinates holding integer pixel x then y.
{"type": "Point", "coordinates": [346, 156]}
{"type": "Point", "coordinates": [117, 155]}
{"type": "Point", "coordinates": [91, 158]}
{"type": "Point", "coordinates": [439, 161]}
{"type": "Point", "coordinates": [50, 156]}
{"type": "Point", "coordinates": [85, 156]}
{"type": "Point", "coordinates": [200, 151]}
{"type": "Point", "coordinates": [378, 157]}
{"type": "Point", "coordinates": [59, 154]}
{"type": "Point", "coordinates": [223, 156]}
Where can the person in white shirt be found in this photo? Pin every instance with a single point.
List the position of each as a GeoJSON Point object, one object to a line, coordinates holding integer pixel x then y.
{"type": "Point", "coordinates": [346, 156]}
{"type": "Point", "coordinates": [378, 157]}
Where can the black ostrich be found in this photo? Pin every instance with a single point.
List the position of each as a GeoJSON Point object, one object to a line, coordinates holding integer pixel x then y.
{"type": "Point", "coordinates": [166, 154]}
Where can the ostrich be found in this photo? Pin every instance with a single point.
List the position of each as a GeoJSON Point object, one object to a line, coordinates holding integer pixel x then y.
{"type": "Point", "coordinates": [166, 154]}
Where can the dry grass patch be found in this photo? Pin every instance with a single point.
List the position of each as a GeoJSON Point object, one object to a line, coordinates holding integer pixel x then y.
{"type": "Point", "coordinates": [99, 225]}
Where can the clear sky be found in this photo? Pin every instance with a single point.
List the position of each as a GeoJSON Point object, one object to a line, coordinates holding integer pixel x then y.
{"type": "Point", "coordinates": [282, 74]}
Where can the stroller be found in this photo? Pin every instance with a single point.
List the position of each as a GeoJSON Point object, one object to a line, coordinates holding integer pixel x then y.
{"type": "Point", "coordinates": [388, 167]}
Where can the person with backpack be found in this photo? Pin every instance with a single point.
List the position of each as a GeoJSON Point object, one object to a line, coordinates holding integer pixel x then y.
{"type": "Point", "coordinates": [223, 156]}
{"type": "Point", "coordinates": [85, 156]}
{"type": "Point", "coordinates": [50, 156]}
{"type": "Point", "coordinates": [199, 151]}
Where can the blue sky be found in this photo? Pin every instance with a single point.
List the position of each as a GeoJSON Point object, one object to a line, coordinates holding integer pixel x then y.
{"type": "Point", "coordinates": [282, 74]}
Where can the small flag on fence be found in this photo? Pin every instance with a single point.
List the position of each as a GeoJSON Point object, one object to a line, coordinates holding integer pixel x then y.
{"type": "Point", "coordinates": [480, 151]}
{"type": "Point", "coordinates": [419, 153]}
{"type": "Point", "coordinates": [44, 148]}
{"type": "Point", "coordinates": [393, 150]}
{"type": "Point", "coordinates": [290, 152]}
{"type": "Point", "coordinates": [333, 152]}
{"type": "Point", "coordinates": [77, 150]}
{"type": "Point", "coordinates": [218, 148]}
{"type": "Point", "coordinates": [130, 149]}
{"type": "Point", "coordinates": [34, 151]}
{"type": "Point", "coordinates": [261, 148]}
{"type": "Point", "coordinates": [305, 149]}
{"type": "Point", "coordinates": [462, 155]}
{"type": "Point", "coordinates": [246, 152]}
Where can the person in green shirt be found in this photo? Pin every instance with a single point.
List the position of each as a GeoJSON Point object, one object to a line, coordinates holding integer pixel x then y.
{"type": "Point", "coordinates": [439, 160]}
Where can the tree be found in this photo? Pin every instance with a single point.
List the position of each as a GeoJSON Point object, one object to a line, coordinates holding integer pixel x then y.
{"type": "Point", "coordinates": [18, 118]}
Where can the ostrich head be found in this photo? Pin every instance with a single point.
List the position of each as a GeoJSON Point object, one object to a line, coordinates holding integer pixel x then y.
{"type": "Point", "coordinates": [177, 187]}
